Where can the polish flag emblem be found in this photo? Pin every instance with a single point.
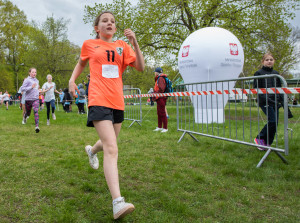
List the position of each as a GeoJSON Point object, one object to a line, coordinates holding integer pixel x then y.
{"type": "Point", "coordinates": [234, 49]}
{"type": "Point", "coordinates": [185, 51]}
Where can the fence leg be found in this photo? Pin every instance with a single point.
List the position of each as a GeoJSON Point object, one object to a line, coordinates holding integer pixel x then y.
{"type": "Point", "coordinates": [184, 135]}
{"type": "Point", "coordinates": [57, 105]}
{"type": "Point", "coordinates": [267, 154]}
{"type": "Point", "coordinates": [264, 158]}
{"type": "Point", "coordinates": [281, 157]}
{"type": "Point", "coordinates": [134, 122]}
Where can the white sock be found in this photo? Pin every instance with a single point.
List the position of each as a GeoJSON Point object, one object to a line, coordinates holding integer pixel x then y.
{"type": "Point", "coordinates": [117, 200]}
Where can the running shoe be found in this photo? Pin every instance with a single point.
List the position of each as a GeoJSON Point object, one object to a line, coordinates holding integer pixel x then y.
{"type": "Point", "coordinates": [93, 159]}
{"type": "Point", "coordinates": [121, 209]}
{"type": "Point", "coordinates": [164, 130]}
{"type": "Point", "coordinates": [53, 116]}
{"type": "Point", "coordinates": [260, 142]}
{"type": "Point", "coordinates": [48, 121]}
{"type": "Point", "coordinates": [37, 129]}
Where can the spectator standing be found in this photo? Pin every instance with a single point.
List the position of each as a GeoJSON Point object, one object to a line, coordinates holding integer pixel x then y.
{"type": "Point", "coordinates": [269, 103]}
{"type": "Point", "coordinates": [81, 99]}
{"type": "Point", "coordinates": [160, 87]}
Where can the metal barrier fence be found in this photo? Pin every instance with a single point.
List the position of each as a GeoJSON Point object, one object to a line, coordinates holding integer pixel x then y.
{"type": "Point", "coordinates": [228, 110]}
{"type": "Point", "coordinates": [133, 105]}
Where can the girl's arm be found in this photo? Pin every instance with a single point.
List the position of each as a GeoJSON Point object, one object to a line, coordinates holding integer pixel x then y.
{"type": "Point", "coordinates": [76, 72]}
{"type": "Point", "coordinates": [26, 86]}
{"type": "Point", "coordinates": [139, 63]}
{"type": "Point", "coordinates": [45, 90]}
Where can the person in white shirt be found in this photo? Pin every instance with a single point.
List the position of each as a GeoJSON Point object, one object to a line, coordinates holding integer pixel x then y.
{"type": "Point", "coordinates": [5, 99]}
{"type": "Point", "coordinates": [49, 88]}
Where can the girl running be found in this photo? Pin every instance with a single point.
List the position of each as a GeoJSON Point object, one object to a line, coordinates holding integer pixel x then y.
{"type": "Point", "coordinates": [108, 60]}
{"type": "Point", "coordinates": [31, 87]}
{"type": "Point", "coordinates": [49, 88]}
{"type": "Point", "coordinates": [5, 99]}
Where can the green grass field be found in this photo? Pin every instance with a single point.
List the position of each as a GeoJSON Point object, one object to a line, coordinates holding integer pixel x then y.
{"type": "Point", "coordinates": [46, 177]}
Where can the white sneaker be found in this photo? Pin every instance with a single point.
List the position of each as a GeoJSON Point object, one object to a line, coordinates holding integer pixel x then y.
{"type": "Point", "coordinates": [53, 116]}
{"type": "Point", "coordinates": [24, 121]}
{"type": "Point", "coordinates": [157, 129]}
{"type": "Point", "coordinates": [121, 209]}
{"type": "Point", "coordinates": [93, 159]}
{"type": "Point", "coordinates": [164, 130]}
{"type": "Point", "coordinates": [48, 121]}
{"type": "Point", "coordinates": [37, 129]}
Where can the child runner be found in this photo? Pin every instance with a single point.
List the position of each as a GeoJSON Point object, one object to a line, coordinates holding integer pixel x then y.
{"type": "Point", "coordinates": [268, 103]}
{"type": "Point", "coordinates": [108, 60]}
{"type": "Point", "coordinates": [49, 88]}
{"type": "Point", "coordinates": [31, 87]}
{"type": "Point", "coordinates": [5, 99]}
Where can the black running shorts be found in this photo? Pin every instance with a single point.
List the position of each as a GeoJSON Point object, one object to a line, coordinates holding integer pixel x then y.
{"type": "Point", "coordinates": [99, 113]}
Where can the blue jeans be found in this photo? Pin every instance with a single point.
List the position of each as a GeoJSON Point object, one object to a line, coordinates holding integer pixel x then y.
{"type": "Point", "coordinates": [269, 130]}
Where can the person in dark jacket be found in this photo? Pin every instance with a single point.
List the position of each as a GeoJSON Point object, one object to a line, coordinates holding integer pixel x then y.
{"type": "Point", "coordinates": [160, 86]}
{"type": "Point", "coordinates": [67, 100]}
{"type": "Point", "coordinates": [269, 103]}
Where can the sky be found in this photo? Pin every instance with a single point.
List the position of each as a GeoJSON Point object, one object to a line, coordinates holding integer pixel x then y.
{"type": "Point", "coordinates": [78, 31]}
{"type": "Point", "coordinates": [39, 10]}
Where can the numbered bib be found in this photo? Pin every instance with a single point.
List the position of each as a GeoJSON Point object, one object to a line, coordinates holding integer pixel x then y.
{"type": "Point", "coordinates": [110, 71]}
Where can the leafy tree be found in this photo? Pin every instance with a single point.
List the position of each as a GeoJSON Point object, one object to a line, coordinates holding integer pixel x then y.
{"type": "Point", "coordinates": [6, 82]}
{"type": "Point", "coordinates": [51, 52]}
{"type": "Point", "coordinates": [162, 26]}
{"type": "Point", "coordinates": [13, 30]}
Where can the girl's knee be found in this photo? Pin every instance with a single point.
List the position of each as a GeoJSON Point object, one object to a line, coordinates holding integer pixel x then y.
{"type": "Point", "coordinates": [110, 149]}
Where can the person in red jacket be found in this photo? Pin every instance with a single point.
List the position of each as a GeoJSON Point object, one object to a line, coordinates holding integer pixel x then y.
{"type": "Point", "coordinates": [160, 87]}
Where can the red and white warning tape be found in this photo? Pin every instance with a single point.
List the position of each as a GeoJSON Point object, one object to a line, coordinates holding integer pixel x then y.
{"type": "Point", "coordinates": [218, 92]}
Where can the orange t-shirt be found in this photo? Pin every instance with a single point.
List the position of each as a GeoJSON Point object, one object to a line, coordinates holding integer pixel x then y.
{"type": "Point", "coordinates": [107, 63]}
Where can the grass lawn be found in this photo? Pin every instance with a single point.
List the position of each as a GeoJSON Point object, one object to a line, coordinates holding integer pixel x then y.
{"type": "Point", "coordinates": [46, 177]}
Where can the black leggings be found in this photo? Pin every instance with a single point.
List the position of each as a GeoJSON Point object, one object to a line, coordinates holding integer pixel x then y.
{"type": "Point", "coordinates": [48, 108]}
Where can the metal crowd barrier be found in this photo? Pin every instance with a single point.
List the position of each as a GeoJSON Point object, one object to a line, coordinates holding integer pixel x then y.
{"type": "Point", "coordinates": [228, 110]}
{"type": "Point", "coordinates": [133, 106]}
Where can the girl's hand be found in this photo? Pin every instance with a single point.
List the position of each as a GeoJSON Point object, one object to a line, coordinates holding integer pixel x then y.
{"type": "Point", "coordinates": [34, 85]}
{"type": "Point", "coordinates": [130, 35]}
{"type": "Point", "coordinates": [72, 88]}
